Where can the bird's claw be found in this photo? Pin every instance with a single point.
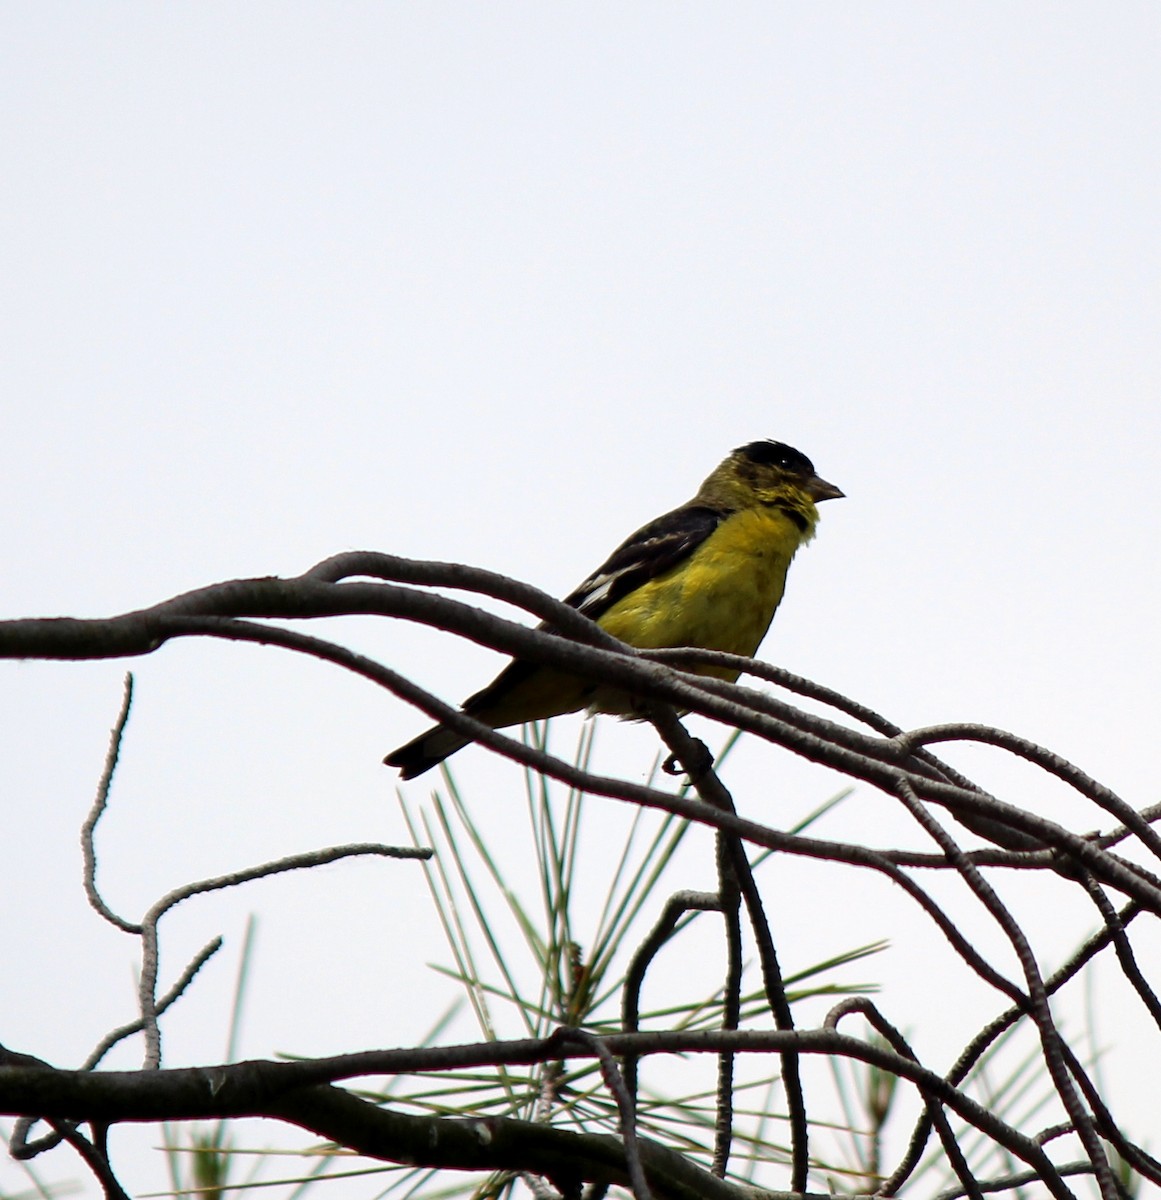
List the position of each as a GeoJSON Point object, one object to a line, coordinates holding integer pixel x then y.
{"type": "Point", "coordinates": [701, 760]}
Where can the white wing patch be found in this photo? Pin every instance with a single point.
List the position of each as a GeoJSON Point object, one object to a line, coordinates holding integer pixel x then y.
{"type": "Point", "coordinates": [594, 591]}
{"type": "Point", "coordinates": [652, 550]}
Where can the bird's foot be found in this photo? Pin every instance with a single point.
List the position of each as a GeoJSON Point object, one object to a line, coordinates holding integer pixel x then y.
{"type": "Point", "coordinates": [695, 764]}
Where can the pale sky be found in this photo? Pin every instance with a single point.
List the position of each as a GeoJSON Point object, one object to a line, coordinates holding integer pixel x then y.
{"type": "Point", "coordinates": [498, 283]}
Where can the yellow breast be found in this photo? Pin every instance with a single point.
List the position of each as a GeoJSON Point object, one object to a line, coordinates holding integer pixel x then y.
{"type": "Point", "coordinates": [722, 598]}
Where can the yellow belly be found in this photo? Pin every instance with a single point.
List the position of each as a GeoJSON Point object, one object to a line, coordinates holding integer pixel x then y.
{"type": "Point", "coordinates": [723, 598]}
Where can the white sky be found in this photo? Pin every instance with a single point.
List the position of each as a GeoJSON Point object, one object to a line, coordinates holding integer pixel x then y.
{"type": "Point", "coordinates": [497, 284]}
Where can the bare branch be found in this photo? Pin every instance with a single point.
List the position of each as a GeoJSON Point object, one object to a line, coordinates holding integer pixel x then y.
{"type": "Point", "coordinates": [894, 761]}
{"type": "Point", "coordinates": [295, 862]}
{"type": "Point", "coordinates": [269, 1089]}
{"type": "Point", "coordinates": [89, 828]}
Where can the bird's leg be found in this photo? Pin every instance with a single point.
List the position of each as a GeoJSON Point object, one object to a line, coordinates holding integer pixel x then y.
{"type": "Point", "coordinates": [692, 757]}
{"type": "Point", "coordinates": [696, 761]}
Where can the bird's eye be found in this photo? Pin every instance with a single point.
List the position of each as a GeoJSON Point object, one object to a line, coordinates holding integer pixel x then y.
{"type": "Point", "coordinates": [778, 454]}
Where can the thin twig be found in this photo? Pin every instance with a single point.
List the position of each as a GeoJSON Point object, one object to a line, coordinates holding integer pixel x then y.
{"type": "Point", "coordinates": [147, 986]}
{"type": "Point", "coordinates": [898, 1043]}
{"type": "Point", "coordinates": [1039, 1009]}
{"type": "Point", "coordinates": [711, 789]}
{"type": "Point", "coordinates": [89, 828]}
{"type": "Point", "coordinates": [625, 1108]}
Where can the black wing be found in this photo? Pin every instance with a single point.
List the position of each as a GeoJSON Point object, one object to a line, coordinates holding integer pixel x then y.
{"type": "Point", "coordinates": [650, 552]}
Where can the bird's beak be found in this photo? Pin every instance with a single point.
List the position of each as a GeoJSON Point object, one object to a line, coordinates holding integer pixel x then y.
{"type": "Point", "coordinates": [818, 489]}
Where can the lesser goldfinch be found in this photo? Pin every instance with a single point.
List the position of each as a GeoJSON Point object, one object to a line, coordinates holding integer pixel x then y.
{"type": "Point", "coordinates": [708, 574]}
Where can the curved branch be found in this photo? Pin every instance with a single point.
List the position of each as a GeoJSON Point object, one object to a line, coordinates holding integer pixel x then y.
{"type": "Point", "coordinates": [301, 1091]}
{"type": "Point", "coordinates": [881, 763]}
{"type": "Point", "coordinates": [894, 761]}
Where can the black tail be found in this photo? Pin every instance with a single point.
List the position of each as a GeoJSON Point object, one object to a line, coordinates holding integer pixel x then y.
{"type": "Point", "coordinates": [426, 751]}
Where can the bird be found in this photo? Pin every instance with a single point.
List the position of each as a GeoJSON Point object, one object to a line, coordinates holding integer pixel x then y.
{"type": "Point", "coordinates": [708, 575]}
